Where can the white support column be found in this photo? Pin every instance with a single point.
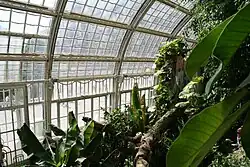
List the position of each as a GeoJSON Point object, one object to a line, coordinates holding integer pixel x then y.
{"type": "Point", "coordinates": [48, 85]}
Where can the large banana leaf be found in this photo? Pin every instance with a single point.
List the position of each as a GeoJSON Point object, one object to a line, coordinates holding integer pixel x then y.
{"type": "Point", "coordinates": [203, 130]}
{"type": "Point", "coordinates": [203, 50]}
{"type": "Point", "coordinates": [73, 130]}
{"type": "Point", "coordinates": [245, 135]}
{"type": "Point", "coordinates": [57, 131]}
{"type": "Point", "coordinates": [92, 145]}
{"type": "Point", "coordinates": [222, 42]}
{"type": "Point", "coordinates": [213, 78]}
{"type": "Point", "coordinates": [88, 132]}
{"type": "Point", "coordinates": [28, 139]}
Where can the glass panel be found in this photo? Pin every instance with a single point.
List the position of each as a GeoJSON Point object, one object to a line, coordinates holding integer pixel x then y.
{"type": "Point", "coordinates": [116, 10]}
{"type": "Point", "coordinates": [80, 38]}
{"type": "Point", "coordinates": [144, 45]}
{"type": "Point", "coordinates": [44, 3]}
{"type": "Point", "coordinates": [185, 3]}
{"type": "Point", "coordinates": [80, 69]}
{"type": "Point", "coordinates": [137, 67]}
{"type": "Point", "coordinates": [24, 22]}
{"type": "Point", "coordinates": [11, 71]}
{"type": "Point", "coordinates": [17, 21]}
{"type": "Point", "coordinates": [161, 17]}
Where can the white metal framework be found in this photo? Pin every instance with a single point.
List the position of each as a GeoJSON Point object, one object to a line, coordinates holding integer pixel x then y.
{"type": "Point", "coordinates": [58, 56]}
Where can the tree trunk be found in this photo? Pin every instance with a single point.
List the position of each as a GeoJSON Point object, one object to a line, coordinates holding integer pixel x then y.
{"type": "Point", "coordinates": [143, 155]}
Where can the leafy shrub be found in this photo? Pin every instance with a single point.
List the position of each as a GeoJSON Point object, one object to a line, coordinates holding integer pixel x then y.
{"type": "Point", "coordinates": [72, 148]}
{"type": "Point", "coordinates": [235, 159]}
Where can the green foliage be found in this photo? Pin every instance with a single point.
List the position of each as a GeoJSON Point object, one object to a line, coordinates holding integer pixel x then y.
{"type": "Point", "coordinates": [167, 92]}
{"type": "Point", "coordinates": [132, 119]}
{"type": "Point", "coordinates": [191, 96]}
{"type": "Point", "coordinates": [206, 15]}
{"type": "Point", "coordinates": [209, 13]}
{"type": "Point", "coordinates": [165, 70]}
{"type": "Point", "coordinates": [204, 49]}
{"type": "Point", "coordinates": [73, 148]}
{"type": "Point", "coordinates": [138, 110]}
{"type": "Point", "coordinates": [229, 34]}
{"type": "Point", "coordinates": [203, 130]}
{"type": "Point", "coordinates": [235, 159]}
{"type": "Point", "coordinates": [246, 135]}
{"type": "Point", "coordinates": [127, 122]}
{"type": "Point", "coordinates": [31, 145]}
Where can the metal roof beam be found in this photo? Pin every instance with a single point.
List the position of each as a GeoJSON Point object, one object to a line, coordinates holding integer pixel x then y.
{"type": "Point", "coordinates": [40, 57]}
{"type": "Point", "coordinates": [179, 27]}
{"type": "Point", "coordinates": [176, 6]}
{"type": "Point", "coordinates": [89, 19]}
{"type": "Point", "coordinates": [78, 17]}
{"type": "Point", "coordinates": [22, 57]}
{"type": "Point", "coordinates": [101, 58]}
{"type": "Point", "coordinates": [26, 36]}
{"type": "Point", "coordinates": [26, 7]}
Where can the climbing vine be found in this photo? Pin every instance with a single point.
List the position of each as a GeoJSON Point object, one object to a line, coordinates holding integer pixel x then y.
{"type": "Point", "coordinates": [169, 63]}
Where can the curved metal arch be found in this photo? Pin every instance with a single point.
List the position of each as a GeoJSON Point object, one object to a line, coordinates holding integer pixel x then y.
{"type": "Point", "coordinates": [60, 7]}
{"type": "Point", "coordinates": [124, 45]}
{"type": "Point", "coordinates": [128, 35]}
{"type": "Point", "coordinates": [134, 25]}
{"type": "Point", "coordinates": [48, 85]}
{"type": "Point", "coordinates": [181, 25]}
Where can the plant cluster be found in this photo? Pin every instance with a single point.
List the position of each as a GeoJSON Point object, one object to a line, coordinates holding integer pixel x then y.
{"type": "Point", "coordinates": [203, 130]}
{"type": "Point", "coordinates": [127, 123]}
{"type": "Point", "coordinates": [236, 159]}
{"type": "Point", "coordinates": [165, 70]}
{"type": "Point", "coordinates": [75, 147]}
{"type": "Point", "coordinates": [207, 14]}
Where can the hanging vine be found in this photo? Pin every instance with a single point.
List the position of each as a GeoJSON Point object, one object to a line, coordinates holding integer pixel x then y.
{"type": "Point", "coordinates": [169, 69]}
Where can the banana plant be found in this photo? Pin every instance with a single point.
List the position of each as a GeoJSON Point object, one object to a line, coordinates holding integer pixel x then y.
{"type": "Point", "coordinates": [138, 110]}
{"type": "Point", "coordinates": [222, 43]}
{"type": "Point", "coordinates": [71, 148]}
{"type": "Point", "coordinates": [202, 131]}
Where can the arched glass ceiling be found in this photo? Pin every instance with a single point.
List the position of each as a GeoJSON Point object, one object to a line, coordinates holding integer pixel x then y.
{"type": "Point", "coordinates": [78, 38]}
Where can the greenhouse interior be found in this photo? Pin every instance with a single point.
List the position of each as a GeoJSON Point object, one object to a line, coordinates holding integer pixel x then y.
{"type": "Point", "coordinates": [125, 83]}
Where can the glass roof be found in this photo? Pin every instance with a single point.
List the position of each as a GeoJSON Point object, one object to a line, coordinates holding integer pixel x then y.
{"type": "Point", "coordinates": [95, 35]}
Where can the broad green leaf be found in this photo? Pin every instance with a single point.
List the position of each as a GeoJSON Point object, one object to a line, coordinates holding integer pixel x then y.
{"type": "Point", "coordinates": [88, 132]}
{"type": "Point", "coordinates": [57, 131]}
{"type": "Point", "coordinates": [73, 154]}
{"type": "Point", "coordinates": [233, 35]}
{"type": "Point", "coordinates": [227, 124]}
{"type": "Point", "coordinates": [59, 152]}
{"type": "Point", "coordinates": [222, 42]}
{"type": "Point", "coordinates": [202, 131]}
{"type": "Point", "coordinates": [214, 78]}
{"type": "Point", "coordinates": [245, 135]}
{"type": "Point", "coordinates": [28, 138]}
{"type": "Point", "coordinates": [203, 50]}
{"type": "Point", "coordinates": [92, 145]}
{"type": "Point", "coordinates": [73, 130]}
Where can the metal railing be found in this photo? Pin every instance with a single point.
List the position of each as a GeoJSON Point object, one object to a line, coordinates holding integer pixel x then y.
{"type": "Point", "coordinates": [84, 96]}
